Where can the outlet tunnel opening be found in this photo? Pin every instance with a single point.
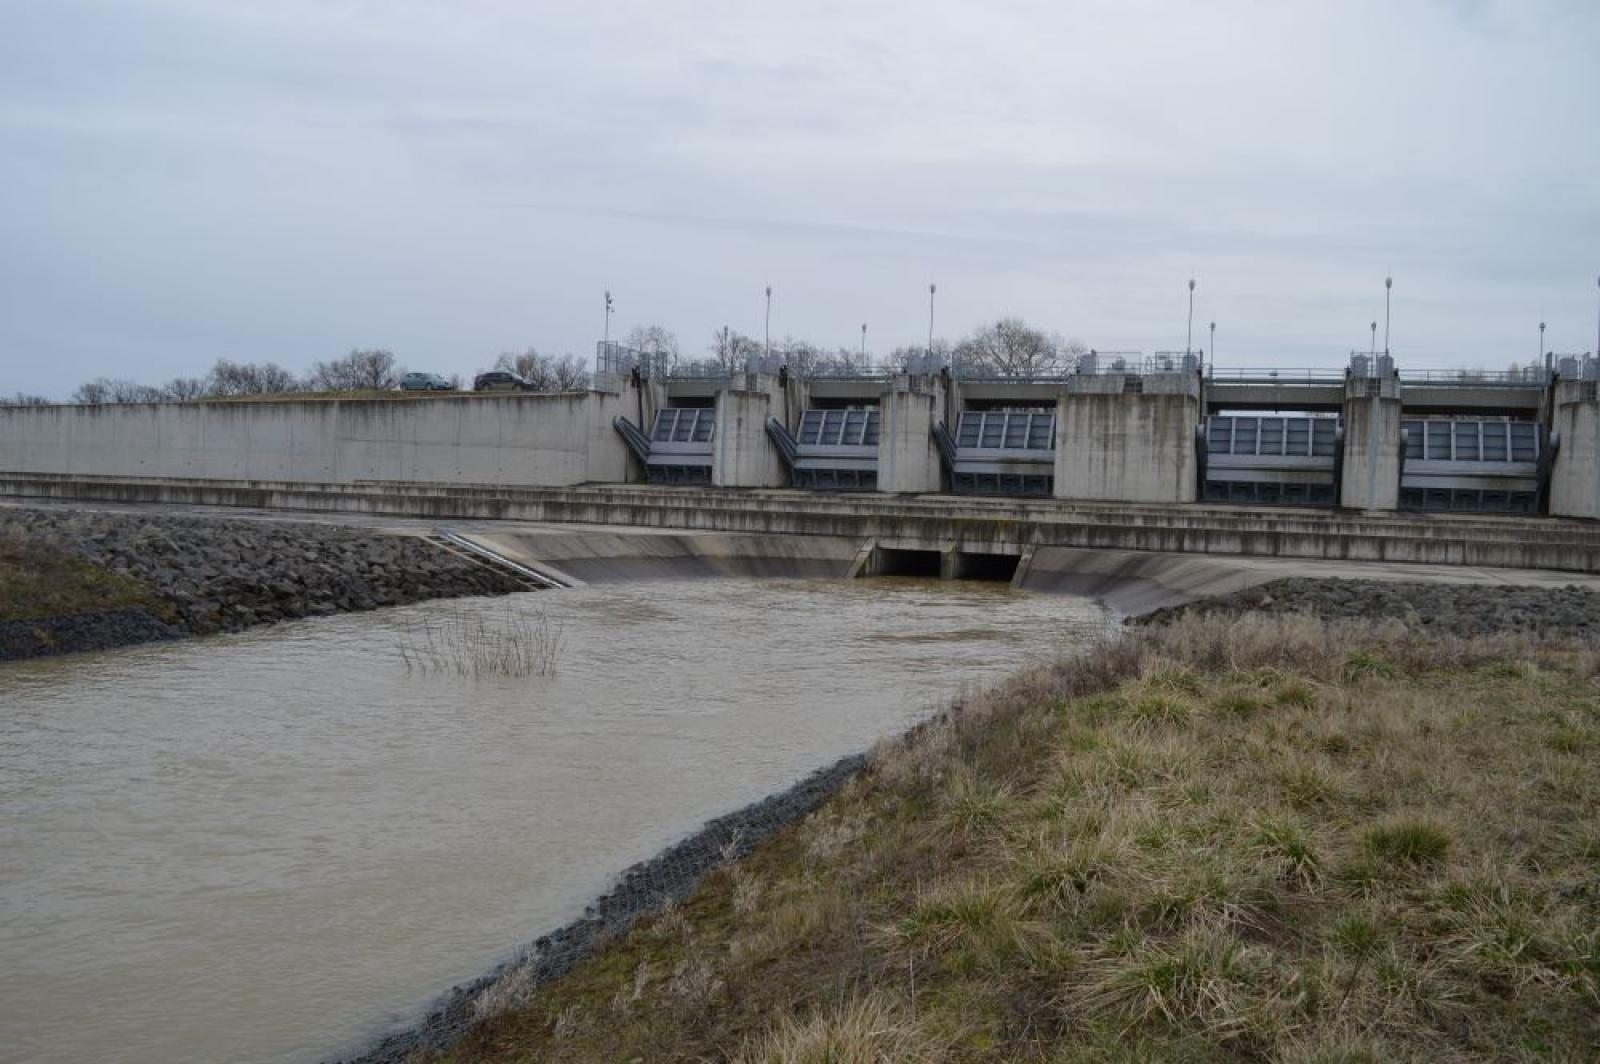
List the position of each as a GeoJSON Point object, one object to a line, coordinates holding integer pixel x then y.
{"type": "Point", "coordinates": [895, 561]}
{"type": "Point", "coordinates": [997, 567]}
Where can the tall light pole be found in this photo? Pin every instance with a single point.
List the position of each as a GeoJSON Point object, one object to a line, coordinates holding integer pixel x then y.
{"type": "Point", "coordinates": [1541, 343]}
{"type": "Point", "coordinates": [608, 317]}
{"type": "Point", "coordinates": [1388, 286]}
{"type": "Point", "coordinates": [1188, 344]}
{"type": "Point", "coordinates": [863, 342]}
{"type": "Point", "coordinates": [932, 288]}
{"type": "Point", "coordinates": [769, 321]}
{"type": "Point", "coordinates": [1373, 351]}
{"type": "Point", "coordinates": [1213, 346]}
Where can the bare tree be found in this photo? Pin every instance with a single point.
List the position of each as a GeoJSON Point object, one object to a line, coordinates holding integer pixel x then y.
{"type": "Point", "coordinates": [528, 365]}
{"type": "Point", "coordinates": [248, 378]}
{"type": "Point", "coordinates": [358, 371]}
{"type": "Point", "coordinates": [905, 359]}
{"type": "Point", "coordinates": [730, 350]}
{"type": "Point", "coordinates": [1009, 347]}
{"type": "Point", "coordinates": [571, 373]}
{"type": "Point", "coordinates": [181, 389]}
{"type": "Point", "coordinates": [546, 373]}
{"type": "Point", "coordinates": [653, 340]}
{"type": "Point", "coordinates": [110, 390]}
{"type": "Point", "coordinates": [24, 399]}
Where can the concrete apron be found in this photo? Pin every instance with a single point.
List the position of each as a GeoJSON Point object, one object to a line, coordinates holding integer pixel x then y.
{"type": "Point", "coordinates": [1127, 582]}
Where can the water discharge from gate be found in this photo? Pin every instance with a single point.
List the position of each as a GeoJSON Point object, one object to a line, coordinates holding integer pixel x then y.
{"type": "Point", "coordinates": [263, 846]}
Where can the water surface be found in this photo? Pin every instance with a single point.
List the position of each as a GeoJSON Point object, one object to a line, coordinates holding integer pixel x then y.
{"type": "Point", "coordinates": [263, 846]}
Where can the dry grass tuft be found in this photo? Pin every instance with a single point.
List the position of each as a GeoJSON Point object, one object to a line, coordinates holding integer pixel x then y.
{"type": "Point", "coordinates": [462, 642]}
{"type": "Point", "coordinates": [1250, 839]}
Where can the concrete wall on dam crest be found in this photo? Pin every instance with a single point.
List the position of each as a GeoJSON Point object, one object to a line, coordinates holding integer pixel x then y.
{"type": "Point", "coordinates": [526, 440]}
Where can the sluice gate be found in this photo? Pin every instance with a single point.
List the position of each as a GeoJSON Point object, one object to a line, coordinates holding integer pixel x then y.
{"type": "Point", "coordinates": [1003, 452]}
{"type": "Point", "coordinates": [836, 449]}
{"type": "Point", "coordinates": [1257, 459]}
{"type": "Point", "coordinates": [1483, 465]}
{"type": "Point", "coordinates": [680, 445]}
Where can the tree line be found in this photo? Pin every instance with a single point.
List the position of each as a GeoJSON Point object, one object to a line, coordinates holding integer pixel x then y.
{"type": "Point", "coordinates": [360, 371]}
{"type": "Point", "coordinates": [1006, 347]}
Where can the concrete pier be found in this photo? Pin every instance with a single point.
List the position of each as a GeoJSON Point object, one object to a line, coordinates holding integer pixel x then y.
{"type": "Point", "coordinates": [1372, 444]}
{"type": "Point", "coordinates": [1575, 424]}
{"type": "Point", "coordinates": [1128, 438]}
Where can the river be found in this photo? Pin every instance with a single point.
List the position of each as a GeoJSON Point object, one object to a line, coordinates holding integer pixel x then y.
{"type": "Point", "coordinates": [268, 846]}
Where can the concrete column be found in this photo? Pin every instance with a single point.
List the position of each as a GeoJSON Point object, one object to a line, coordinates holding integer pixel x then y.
{"type": "Point", "coordinates": [908, 461]}
{"type": "Point", "coordinates": [1372, 444]}
{"type": "Point", "coordinates": [1575, 478]}
{"type": "Point", "coordinates": [742, 455]}
{"type": "Point", "coordinates": [1127, 439]}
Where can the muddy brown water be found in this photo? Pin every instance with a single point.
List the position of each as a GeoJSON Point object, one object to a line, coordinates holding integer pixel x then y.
{"type": "Point", "coordinates": [272, 845]}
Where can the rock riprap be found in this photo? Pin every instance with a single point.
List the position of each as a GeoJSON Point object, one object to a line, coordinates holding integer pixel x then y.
{"type": "Point", "coordinates": [1446, 609]}
{"type": "Point", "coordinates": [215, 574]}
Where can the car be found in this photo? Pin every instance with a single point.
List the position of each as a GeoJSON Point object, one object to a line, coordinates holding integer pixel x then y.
{"type": "Point", "coordinates": [424, 382]}
{"type": "Point", "coordinates": [499, 380]}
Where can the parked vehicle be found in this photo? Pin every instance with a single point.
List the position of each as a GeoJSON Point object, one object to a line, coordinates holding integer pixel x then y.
{"type": "Point", "coordinates": [424, 382]}
{"type": "Point", "coordinates": [499, 380]}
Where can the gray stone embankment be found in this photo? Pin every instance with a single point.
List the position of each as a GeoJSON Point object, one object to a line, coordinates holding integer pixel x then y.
{"type": "Point", "coordinates": [77, 632]}
{"type": "Point", "coordinates": [1444, 609]}
{"type": "Point", "coordinates": [209, 575]}
{"type": "Point", "coordinates": [644, 889]}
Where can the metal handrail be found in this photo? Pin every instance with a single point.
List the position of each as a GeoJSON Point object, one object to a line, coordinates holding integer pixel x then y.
{"type": "Point", "coordinates": [1275, 374]}
{"type": "Point", "coordinates": [1532, 378]}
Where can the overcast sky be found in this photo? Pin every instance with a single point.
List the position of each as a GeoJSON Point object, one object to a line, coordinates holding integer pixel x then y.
{"type": "Point", "coordinates": [182, 180]}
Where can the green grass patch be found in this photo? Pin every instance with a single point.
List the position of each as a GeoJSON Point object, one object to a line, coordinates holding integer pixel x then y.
{"type": "Point", "coordinates": [38, 580]}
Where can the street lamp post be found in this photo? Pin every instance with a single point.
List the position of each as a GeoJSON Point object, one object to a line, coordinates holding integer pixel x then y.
{"type": "Point", "coordinates": [1213, 347]}
{"type": "Point", "coordinates": [932, 288]}
{"type": "Point", "coordinates": [1188, 344]}
{"type": "Point", "coordinates": [1388, 286]}
{"type": "Point", "coordinates": [608, 318]}
{"type": "Point", "coordinates": [863, 343]}
{"type": "Point", "coordinates": [769, 321]}
{"type": "Point", "coordinates": [1541, 343]}
{"type": "Point", "coordinates": [1372, 352]}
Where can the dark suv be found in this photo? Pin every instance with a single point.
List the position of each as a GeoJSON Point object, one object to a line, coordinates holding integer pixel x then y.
{"type": "Point", "coordinates": [499, 380]}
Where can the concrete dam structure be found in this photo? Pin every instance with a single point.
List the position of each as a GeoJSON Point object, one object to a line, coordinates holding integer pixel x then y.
{"type": "Point", "coordinates": [1150, 454]}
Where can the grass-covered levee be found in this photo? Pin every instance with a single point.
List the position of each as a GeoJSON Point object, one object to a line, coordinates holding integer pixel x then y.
{"type": "Point", "coordinates": [1215, 839]}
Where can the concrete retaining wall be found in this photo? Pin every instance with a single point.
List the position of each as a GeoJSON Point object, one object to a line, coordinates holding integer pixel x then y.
{"type": "Point", "coordinates": [526, 440]}
{"type": "Point", "coordinates": [1001, 525]}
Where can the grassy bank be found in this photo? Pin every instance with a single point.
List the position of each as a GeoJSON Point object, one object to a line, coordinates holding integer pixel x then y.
{"type": "Point", "coordinates": [1220, 839]}
{"type": "Point", "coordinates": [37, 580]}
